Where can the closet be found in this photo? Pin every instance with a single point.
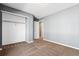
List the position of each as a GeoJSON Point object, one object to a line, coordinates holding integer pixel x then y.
{"type": "Point", "coordinates": [13, 28]}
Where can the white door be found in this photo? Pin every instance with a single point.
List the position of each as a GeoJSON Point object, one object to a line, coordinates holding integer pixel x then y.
{"type": "Point", "coordinates": [12, 33]}
{"type": "Point", "coordinates": [36, 30]}
{"type": "Point", "coordinates": [13, 28]}
{"type": "Point", "coordinates": [8, 33]}
{"type": "Point", "coordinates": [20, 32]}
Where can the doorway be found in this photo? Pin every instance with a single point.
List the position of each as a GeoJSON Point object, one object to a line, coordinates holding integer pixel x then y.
{"type": "Point", "coordinates": [41, 30]}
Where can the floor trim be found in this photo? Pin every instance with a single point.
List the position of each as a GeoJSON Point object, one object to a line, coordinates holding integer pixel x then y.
{"type": "Point", "coordinates": [30, 41]}
{"type": "Point", "coordinates": [62, 44]}
{"type": "Point", "coordinates": [11, 45]}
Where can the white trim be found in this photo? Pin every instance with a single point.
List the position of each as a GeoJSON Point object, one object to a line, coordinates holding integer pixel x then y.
{"type": "Point", "coordinates": [29, 41]}
{"type": "Point", "coordinates": [13, 14]}
{"type": "Point", "coordinates": [62, 44]}
{"type": "Point", "coordinates": [0, 48]}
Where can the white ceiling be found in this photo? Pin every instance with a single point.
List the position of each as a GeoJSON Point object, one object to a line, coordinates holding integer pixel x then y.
{"type": "Point", "coordinates": [40, 9]}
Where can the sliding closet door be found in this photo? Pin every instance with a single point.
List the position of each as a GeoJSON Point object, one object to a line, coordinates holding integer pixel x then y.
{"type": "Point", "coordinates": [13, 28]}
{"type": "Point", "coordinates": [20, 32]}
{"type": "Point", "coordinates": [8, 33]}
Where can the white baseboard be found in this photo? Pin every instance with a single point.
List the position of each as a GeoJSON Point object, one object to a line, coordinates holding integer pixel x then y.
{"type": "Point", "coordinates": [30, 41]}
{"type": "Point", "coordinates": [11, 42]}
{"type": "Point", "coordinates": [62, 44]}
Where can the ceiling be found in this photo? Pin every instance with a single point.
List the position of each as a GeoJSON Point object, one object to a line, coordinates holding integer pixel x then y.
{"type": "Point", "coordinates": [40, 9]}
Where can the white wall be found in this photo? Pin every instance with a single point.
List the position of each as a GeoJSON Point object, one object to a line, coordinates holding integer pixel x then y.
{"type": "Point", "coordinates": [29, 29]}
{"type": "Point", "coordinates": [63, 27]}
{"type": "Point", "coordinates": [36, 30]}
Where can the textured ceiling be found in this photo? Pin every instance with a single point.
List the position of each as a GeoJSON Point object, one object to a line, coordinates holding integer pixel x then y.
{"type": "Point", "coordinates": [40, 9]}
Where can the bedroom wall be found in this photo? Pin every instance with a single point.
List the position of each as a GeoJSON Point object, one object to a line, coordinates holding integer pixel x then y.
{"type": "Point", "coordinates": [63, 27]}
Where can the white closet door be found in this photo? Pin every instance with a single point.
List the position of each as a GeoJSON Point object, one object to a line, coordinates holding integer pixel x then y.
{"type": "Point", "coordinates": [20, 32]}
{"type": "Point", "coordinates": [12, 33]}
{"type": "Point", "coordinates": [13, 28]}
{"type": "Point", "coordinates": [8, 33]}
